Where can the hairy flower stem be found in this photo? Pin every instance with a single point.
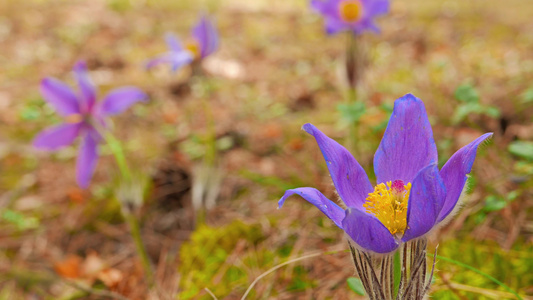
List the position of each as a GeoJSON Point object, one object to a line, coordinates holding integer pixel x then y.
{"type": "Point", "coordinates": [116, 149]}
{"type": "Point", "coordinates": [354, 69]}
{"type": "Point", "coordinates": [207, 176]}
{"type": "Point", "coordinates": [377, 272]}
{"type": "Point", "coordinates": [211, 140]}
{"type": "Point", "coordinates": [205, 89]}
{"type": "Point", "coordinates": [135, 232]}
{"type": "Point", "coordinates": [127, 211]}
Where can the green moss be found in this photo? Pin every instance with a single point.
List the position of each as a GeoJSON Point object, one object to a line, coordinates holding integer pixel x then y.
{"type": "Point", "coordinates": [205, 258]}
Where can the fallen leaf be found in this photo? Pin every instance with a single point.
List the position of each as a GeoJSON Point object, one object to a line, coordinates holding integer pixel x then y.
{"type": "Point", "coordinates": [69, 267]}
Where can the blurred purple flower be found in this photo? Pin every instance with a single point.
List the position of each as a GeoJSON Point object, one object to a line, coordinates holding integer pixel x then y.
{"type": "Point", "coordinates": [412, 196]}
{"type": "Point", "coordinates": [81, 113]}
{"type": "Point", "coordinates": [204, 43]}
{"type": "Point", "coordinates": [350, 15]}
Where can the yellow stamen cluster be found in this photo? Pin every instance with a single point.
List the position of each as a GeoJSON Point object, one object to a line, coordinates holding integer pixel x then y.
{"type": "Point", "coordinates": [73, 118]}
{"type": "Point", "coordinates": [389, 205]}
{"type": "Point", "coordinates": [351, 10]}
{"type": "Point", "coordinates": [194, 48]}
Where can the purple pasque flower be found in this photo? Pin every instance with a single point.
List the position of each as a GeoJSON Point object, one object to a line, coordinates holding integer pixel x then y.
{"type": "Point", "coordinates": [350, 15]}
{"type": "Point", "coordinates": [204, 42]}
{"type": "Point", "coordinates": [411, 196]}
{"type": "Point", "coordinates": [81, 113]}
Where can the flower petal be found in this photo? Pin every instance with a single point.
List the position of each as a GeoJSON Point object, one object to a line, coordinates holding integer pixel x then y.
{"type": "Point", "coordinates": [206, 35]}
{"type": "Point", "coordinates": [326, 8]}
{"type": "Point", "coordinates": [57, 137]}
{"type": "Point", "coordinates": [175, 59]}
{"type": "Point", "coordinates": [368, 232]}
{"type": "Point", "coordinates": [86, 86]}
{"type": "Point", "coordinates": [407, 145]}
{"type": "Point", "coordinates": [349, 177]}
{"type": "Point", "coordinates": [315, 197]}
{"type": "Point", "coordinates": [173, 43]}
{"type": "Point", "coordinates": [454, 174]}
{"type": "Point", "coordinates": [120, 99]}
{"type": "Point", "coordinates": [376, 7]}
{"type": "Point", "coordinates": [334, 25]}
{"type": "Point", "coordinates": [60, 96]}
{"type": "Point", "coordinates": [87, 159]}
{"type": "Point", "coordinates": [425, 202]}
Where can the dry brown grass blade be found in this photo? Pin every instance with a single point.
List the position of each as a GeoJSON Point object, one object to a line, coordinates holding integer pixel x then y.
{"type": "Point", "coordinates": [275, 268]}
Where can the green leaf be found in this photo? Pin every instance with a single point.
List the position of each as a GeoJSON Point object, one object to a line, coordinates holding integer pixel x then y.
{"type": "Point", "coordinates": [527, 96]}
{"type": "Point", "coordinates": [523, 149]}
{"type": "Point", "coordinates": [492, 112]}
{"type": "Point", "coordinates": [466, 93]}
{"type": "Point", "coordinates": [464, 110]}
{"type": "Point", "coordinates": [30, 113]}
{"type": "Point", "coordinates": [494, 203]}
{"type": "Point", "coordinates": [352, 112]}
{"type": "Point", "coordinates": [356, 285]}
{"type": "Point", "coordinates": [19, 220]}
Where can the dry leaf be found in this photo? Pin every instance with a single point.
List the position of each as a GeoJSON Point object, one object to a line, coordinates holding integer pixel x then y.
{"type": "Point", "coordinates": [69, 267]}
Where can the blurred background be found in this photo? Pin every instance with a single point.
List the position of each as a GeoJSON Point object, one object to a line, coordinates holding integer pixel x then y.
{"type": "Point", "coordinates": [471, 62]}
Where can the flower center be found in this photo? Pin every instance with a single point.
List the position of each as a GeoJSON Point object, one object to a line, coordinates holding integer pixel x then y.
{"type": "Point", "coordinates": [389, 204]}
{"type": "Point", "coordinates": [74, 118]}
{"type": "Point", "coordinates": [350, 10]}
{"type": "Point", "coordinates": [194, 48]}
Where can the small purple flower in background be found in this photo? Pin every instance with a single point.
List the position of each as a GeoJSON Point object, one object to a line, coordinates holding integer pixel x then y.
{"type": "Point", "coordinates": [412, 196]}
{"type": "Point", "coordinates": [204, 43]}
{"type": "Point", "coordinates": [350, 15]}
{"type": "Point", "coordinates": [81, 113]}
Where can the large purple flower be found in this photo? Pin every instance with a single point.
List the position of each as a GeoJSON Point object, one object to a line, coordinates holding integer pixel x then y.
{"type": "Point", "coordinates": [411, 196]}
{"type": "Point", "coordinates": [350, 15]}
{"type": "Point", "coordinates": [204, 43]}
{"type": "Point", "coordinates": [82, 113]}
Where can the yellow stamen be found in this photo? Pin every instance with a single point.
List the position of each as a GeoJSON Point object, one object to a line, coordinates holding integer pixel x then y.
{"type": "Point", "coordinates": [389, 205]}
{"type": "Point", "coordinates": [351, 10]}
{"type": "Point", "coordinates": [73, 118]}
{"type": "Point", "coordinates": [194, 48]}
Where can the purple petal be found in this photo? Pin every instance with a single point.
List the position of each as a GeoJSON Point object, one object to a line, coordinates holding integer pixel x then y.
{"type": "Point", "coordinates": [57, 137]}
{"type": "Point", "coordinates": [407, 145]}
{"type": "Point", "coordinates": [206, 35]}
{"type": "Point", "coordinates": [173, 43]}
{"type": "Point", "coordinates": [454, 174]}
{"type": "Point", "coordinates": [367, 24]}
{"type": "Point", "coordinates": [86, 86]}
{"type": "Point", "coordinates": [368, 232]}
{"type": "Point", "coordinates": [376, 7]}
{"type": "Point", "coordinates": [334, 26]}
{"type": "Point", "coordinates": [349, 177]}
{"type": "Point", "coordinates": [313, 196]}
{"type": "Point", "coordinates": [175, 59]}
{"type": "Point", "coordinates": [87, 160]}
{"type": "Point", "coordinates": [425, 202]}
{"type": "Point", "coordinates": [326, 8]}
{"type": "Point", "coordinates": [118, 100]}
{"type": "Point", "coordinates": [60, 96]}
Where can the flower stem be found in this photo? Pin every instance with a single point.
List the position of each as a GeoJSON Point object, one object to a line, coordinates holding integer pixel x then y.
{"type": "Point", "coordinates": [135, 232]}
{"type": "Point", "coordinates": [133, 224]}
{"type": "Point", "coordinates": [353, 68]}
{"type": "Point", "coordinates": [211, 140]}
{"type": "Point", "coordinates": [116, 149]}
